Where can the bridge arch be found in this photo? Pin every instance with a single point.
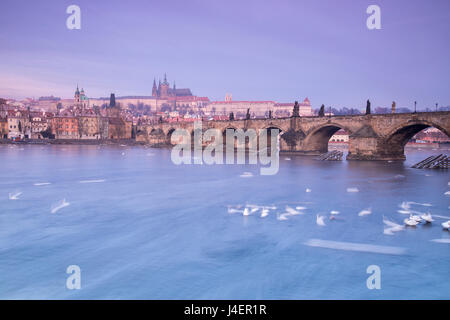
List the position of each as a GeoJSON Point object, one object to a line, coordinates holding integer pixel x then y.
{"type": "Point", "coordinates": [269, 128]}
{"type": "Point", "coordinates": [224, 130]}
{"type": "Point", "coordinates": [155, 131]}
{"type": "Point", "coordinates": [406, 131]}
{"type": "Point", "coordinates": [156, 135]}
{"type": "Point", "coordinates": [316, 140]}
{"type": "Point", "coordinates": [169, 135]}
{"type": "Point", "coordinates": [396, 140]}
{"type": "Point", "coordinates": [273, 126]}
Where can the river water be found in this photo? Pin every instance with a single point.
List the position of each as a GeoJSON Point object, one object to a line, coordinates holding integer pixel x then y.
{"type": "Point", "coordinates": [140, 227]}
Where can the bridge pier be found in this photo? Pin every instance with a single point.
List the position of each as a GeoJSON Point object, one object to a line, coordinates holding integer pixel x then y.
{"type": "Point", "coordinates": [373, 149]}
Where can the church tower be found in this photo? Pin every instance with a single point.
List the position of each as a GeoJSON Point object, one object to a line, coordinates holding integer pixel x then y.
{"type": "Point", "coordinates": [83, 99]}
{"type": "Point", "coordinates": [154, 89]}
{"type": "Point", "coordinates": [164, 88]}
{"type": "Point", "coordinates": [113, 109]}
{"type": "Point", "coordinates": [77, 97]}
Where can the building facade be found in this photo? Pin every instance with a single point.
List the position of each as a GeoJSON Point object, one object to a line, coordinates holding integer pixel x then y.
{"type": "Point", "coordinates": [39, 123]}
{"type": "Point", "coordinates": [3, 128]}
{"type": "Point", "coordinates": [340, 136]}
{"type": "Point", "coordinates": [258, 109]}
{"type": "Point", "coordinates": [19, 126]}
{"type": "Point", "coordinates": [88, 125]}
{"type": "Point", "coordinates": [65, 125]}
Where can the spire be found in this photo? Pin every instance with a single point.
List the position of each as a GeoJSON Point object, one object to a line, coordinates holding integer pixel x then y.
{"type": "Point", "coordinates": [165, 80]}
{"type": "Point", "coordinates": [154, 89]}
{"type": "Point", "coordinates": [174, 86]}
{"type": "Point", "coordinates": [112, 101]}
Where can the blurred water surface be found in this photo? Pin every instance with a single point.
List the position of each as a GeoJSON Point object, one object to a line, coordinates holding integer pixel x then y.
{"type": "Point", "coordinates": [140, 227]}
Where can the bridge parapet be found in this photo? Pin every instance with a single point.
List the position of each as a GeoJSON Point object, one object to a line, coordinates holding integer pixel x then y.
{"type": "Point", "coordinates": [371, 137]}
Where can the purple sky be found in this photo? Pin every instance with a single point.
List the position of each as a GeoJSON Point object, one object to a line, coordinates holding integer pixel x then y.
{"type": "Point", "coordinates": [257, 50]}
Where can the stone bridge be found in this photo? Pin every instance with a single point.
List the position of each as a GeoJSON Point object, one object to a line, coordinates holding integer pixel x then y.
{"type": "Point", "coordinates": [371, 137]}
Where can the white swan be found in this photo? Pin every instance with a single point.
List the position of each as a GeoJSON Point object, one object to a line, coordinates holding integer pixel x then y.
{"type": "Point", "coordinates": [292, 211]}
{"type": "Point", "coordinates": [264, 212]}
{"type": "Point", "coordinates": [320, 220]}
{"type": "Point", "coordinates": [334, 212]}
{"type": "Point", "coordinates": [427, 217]}
{"type": "Point", "coordinates": [446, 225]}
{"type": "Point", "coordinates": [60, 205]}
{"type": "Point", "coordinates": [393, 227]}
{"type": "Point", "coordinates": [253, 210]}
{"type": "Point", "coordinates": [14, 196]}
{"type": "Point", "coordinates": [282, 217]}
{"type": "Point", "coordinates": [246, 175]}
{"type": "Point", "coordinates": [415, 218]}
{"type": "Point", "coordinates": [405, 205]}
{"type": "Point", "coordinates": [365, 212]}
{"type": "Point", "coordinates": [308, 190]}
{"type": "Point", "coordinates": [411, 223]}
{"type": "Point", "coordinates": [392, 224]}
{"type": "Point", "coordinates": [246, 212]}
{"type": "Point", "coordinates": [233, 210]}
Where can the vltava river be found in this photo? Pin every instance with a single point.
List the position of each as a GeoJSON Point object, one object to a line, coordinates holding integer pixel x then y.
{"type": "Point", "coordinates": [140, 227]}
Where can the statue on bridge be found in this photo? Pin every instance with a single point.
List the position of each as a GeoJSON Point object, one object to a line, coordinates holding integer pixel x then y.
{"type": "Point", "coordinates": [393, 106]}
{"type": "Point", "coordinates": [231, 116]}
{"type": "Point", "coordinates": [296, 111]}
{"type": "Point", "coordinates": [322, 111]}
{"type": "Point", "coordinates": [270, 114]}
{"type": "Point", "coordinates": [368, 107]}
{"type": "Point", "coordinates": [247, 116]}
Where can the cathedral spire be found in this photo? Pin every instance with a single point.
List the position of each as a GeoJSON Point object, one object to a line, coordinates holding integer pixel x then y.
{"type": "Point", "coordinates": [154, 89]}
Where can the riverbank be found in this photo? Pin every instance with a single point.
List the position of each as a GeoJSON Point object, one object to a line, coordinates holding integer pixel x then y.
{"type": "Point", "coordinates": [128, 142]}
{"type": "Point", "coordinates": [415, 145]}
